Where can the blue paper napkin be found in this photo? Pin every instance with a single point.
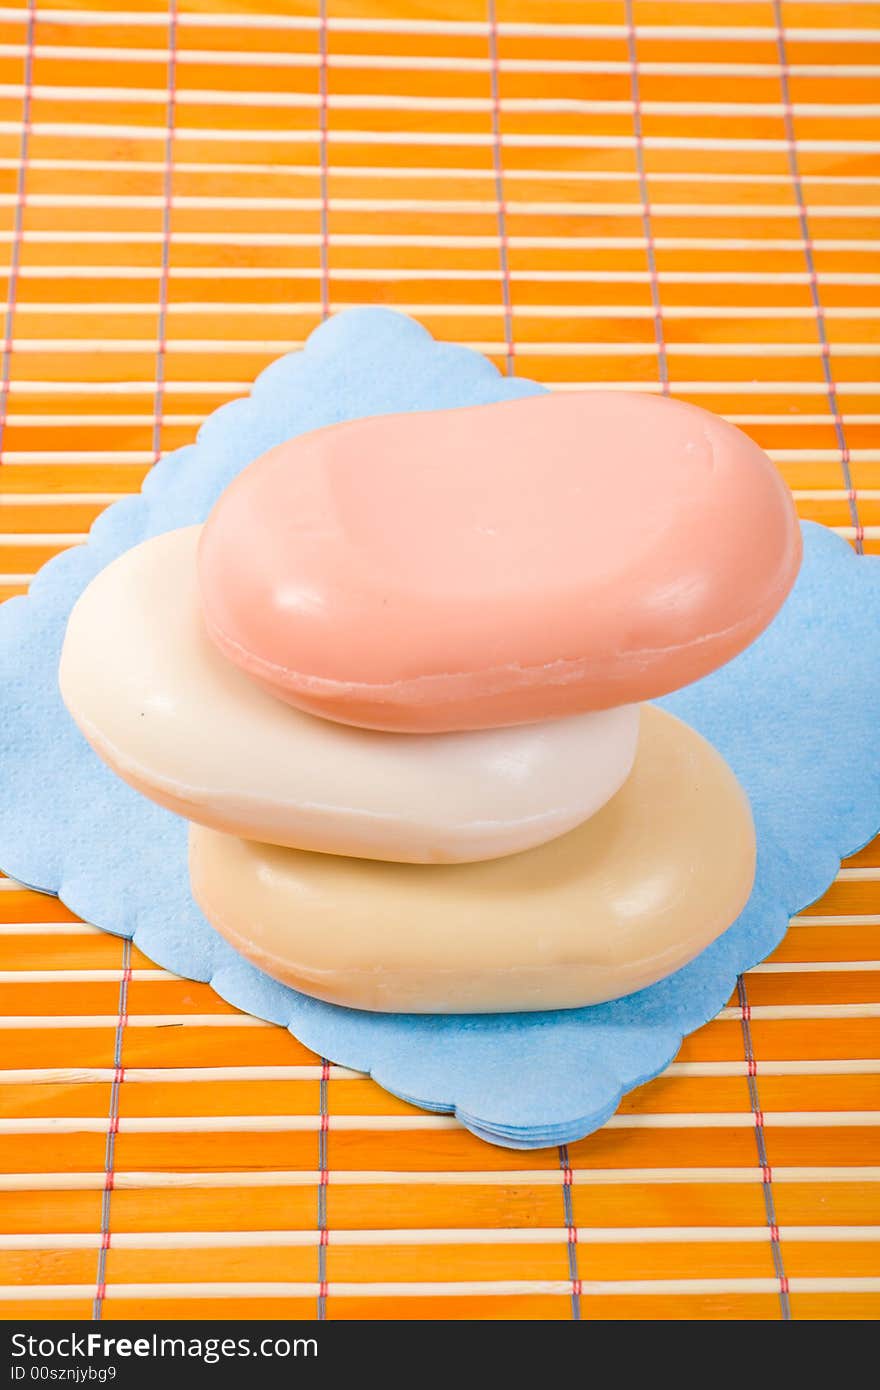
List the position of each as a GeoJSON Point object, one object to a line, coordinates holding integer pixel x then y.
{"type": "Point", "coordinates": [795, 716]}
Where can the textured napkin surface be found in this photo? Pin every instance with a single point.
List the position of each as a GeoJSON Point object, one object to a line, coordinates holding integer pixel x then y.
{"type": "Point", "coordinates": [795, 716]}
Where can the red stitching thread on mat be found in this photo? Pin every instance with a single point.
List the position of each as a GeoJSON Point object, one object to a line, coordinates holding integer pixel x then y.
{"type": "Point", "coordinates": [18, 222]}
{"type": "Point", "coordinates": [323, 127]}
{"type": "Point", "coordinates": [647, 227]}
{"type": "Point", "coordinates": [813, 278]}
{"type": "Point", "coordinates": [745, 1014]}
{"type": "Point", "coordinates": [324, 1178]}
{"type": "Point", "coordinates": [167, 207]}
{"type": "Point", "coordinates": [568, 1218]}
{"type": "Point", "coordinates": [501, 204]}
{"type": "Point", "coordinates": [112, 1131]}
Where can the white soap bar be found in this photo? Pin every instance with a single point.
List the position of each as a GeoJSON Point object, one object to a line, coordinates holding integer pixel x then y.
{"type": "Point", "coordinates": [623, 900]}
{"type": "Point", "coordinates": [172, 717]}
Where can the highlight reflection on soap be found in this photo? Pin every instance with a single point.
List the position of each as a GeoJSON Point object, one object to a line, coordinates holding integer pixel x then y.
{"type": "Point", "coordinates": [395, 681]}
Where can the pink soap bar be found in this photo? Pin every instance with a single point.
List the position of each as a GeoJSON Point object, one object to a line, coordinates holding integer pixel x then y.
{"type": "Point", "coordinates": [499, 564]}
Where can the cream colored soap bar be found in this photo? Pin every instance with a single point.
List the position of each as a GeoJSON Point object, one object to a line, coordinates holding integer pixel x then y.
{"type": "Point", "coordinates": [184, 726]}
{"type": "Point", "coordinates": [623, 900]}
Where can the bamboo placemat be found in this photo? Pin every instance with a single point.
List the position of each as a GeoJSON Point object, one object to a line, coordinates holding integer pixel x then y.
{"type": "Point", "coordinates": [677, 196]}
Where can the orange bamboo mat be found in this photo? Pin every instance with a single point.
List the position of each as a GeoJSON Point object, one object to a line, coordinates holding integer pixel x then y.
{"type": "Point", "coordinates": [651, 195]}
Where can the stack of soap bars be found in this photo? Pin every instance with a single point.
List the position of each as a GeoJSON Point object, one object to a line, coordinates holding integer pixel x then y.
{"type": "Point", "coordinates": [395, 683]}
